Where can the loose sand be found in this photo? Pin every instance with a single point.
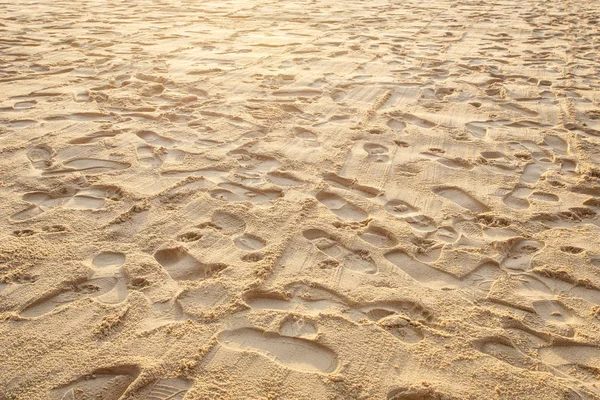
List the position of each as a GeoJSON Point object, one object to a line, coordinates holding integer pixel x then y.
{"type": "Point", "coordinates": [299, 199]}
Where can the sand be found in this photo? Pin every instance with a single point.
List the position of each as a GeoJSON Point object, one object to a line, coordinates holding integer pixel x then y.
{"type": "Point", "coordinates": [299, 199]}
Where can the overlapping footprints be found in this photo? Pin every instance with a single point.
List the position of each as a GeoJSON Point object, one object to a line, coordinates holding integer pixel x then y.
{"type": "Point", "coordinates": [292, 352]}
{"type": "Point", "coordinates": [401, 318]}
{"type": "Point", "coordinates": [574, 360]}
{"type": "Point", "coordinates": [410, 214]}
{"type": "Point", "coordinates": [356, 260]}
{"type": "Point", "coordinates": [157, 150]}
{"type": "Point", "coordinates": [231, 225]}
{"type": "Point", "coordinates": [519, 197]}
{"type": "Point", "coordinates": [92, 198]}
{"type": "Point", "coordinates": [106, 285]}
{"type": "Point", "coordinates": [521, 253]}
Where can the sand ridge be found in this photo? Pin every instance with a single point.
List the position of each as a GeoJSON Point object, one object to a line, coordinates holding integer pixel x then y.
{"type": "Point", "coordinates": [299, 200]}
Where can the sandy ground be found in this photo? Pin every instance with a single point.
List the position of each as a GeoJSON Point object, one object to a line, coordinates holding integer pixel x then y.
{"type": "Point", "coordinates": [299, 199]}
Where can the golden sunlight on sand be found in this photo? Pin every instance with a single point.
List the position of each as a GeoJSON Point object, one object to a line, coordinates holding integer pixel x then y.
{"type": "Point", "coordinates": [297, 199]}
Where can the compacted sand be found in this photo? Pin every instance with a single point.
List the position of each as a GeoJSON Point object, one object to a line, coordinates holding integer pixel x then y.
{"type": "Point", "coordinates": [299, 199]}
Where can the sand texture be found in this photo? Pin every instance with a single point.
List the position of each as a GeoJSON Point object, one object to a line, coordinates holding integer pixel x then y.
{"type": "Point", "coordinates": [299, 199]}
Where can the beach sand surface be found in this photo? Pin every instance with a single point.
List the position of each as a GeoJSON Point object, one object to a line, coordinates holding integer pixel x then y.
{"type": "Point", "coordinates": [299, 199]}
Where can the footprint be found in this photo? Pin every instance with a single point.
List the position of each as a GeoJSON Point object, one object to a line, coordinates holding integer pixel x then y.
{"type": "Point", "coordinates": [558, 144]}
{"type": "Point", "coordinates": [105, 384]}
{"type": "Point", "coordinates": [235, 192]}
{"type": "Point", "coordinates": [542, 196]}
{"type": "Point", "coordinates": [92, 199]}
{"type": "Point", "coordinates": [519, 108]}
{"type": "Point", "coordinates": [376, 153]}
{"type": "Point", "coordinates": [521, 253]}
{"type": "Point", "coordinates": [402, 328]}
{"type": "Point", "coordinates": [40, 156]}
{"type": "Point", "coordinates": [417, 393]}
{"type": "Point", "coordinates": [309, 137]}
{"type": "Point", "coordinates": [455, 163]}
{"type": "Point", "coordinates": [182, 266]}
{"type": "Point", "coordinates": [19, 123]}
{"type": "Point", "coordinates": [162, 313]}
{"type": "Point", "coordinates": [351, 185]}
{"type": "Point", "coordinates": [107, 259]}
{"type": "Point", "coordinates": [555, 313]}
{"type": "Point", "coordinates": [105, 289]}
{"type": "Point", "coordinates": [461, 198]}
{"type": "Point", "coordinates": [297, 326]}
{"type": "Point", "coordinates": [423, 273]}
{"type": "Point", "coordinates": [480, 279]}
{"type": "Point", "coordinates": [283, 179]}
{"type": "Point", "coordinates": [148, 158]}
{"type": "Point", "coordinates": [446, 234]}
{"type": "Point", "coordinates": [420, 122]}
{"type": "Point", "coordinates": [290, 352]}
{"type": "Point", "coordinates": [252, 162]}
{"type": "Point", "coordinates": [503, 349]}
{"type": "Point", "coordinates": [355, 260]}
{"type": "Point", "coordinates": [299, 297]}
{"type": "Point", "coordinates": [580, 361]}
{"type": "Point", "coordinates": [517, 198]}
{"type": "Point", "coordinates": [227, 223]}
{"type": "Point", "coordinates": [340, 207]}
{"type": "Point", "coordinates": [396, 125]}
{"type": "Point", "coordinates": [96, 137]}
{"type": "Point", "coordinates": [400, 208]}
{"type": "Point", "coordinates": [105, 285]}
{"type": "Point", "coordinates": [400, 318]}
{"type": "Point", "coordinates": [379, 237]}
{"type": "Point", "coordinates": [89, 165]}
{"type": "Point", "coordinates": [532, 172]}
{"type": "Point", "coordinates": [421, 223]}
{"type": "Point", "coordinates": [249, 242]}
{"type": "Point", "coordinates": [483, 277]}
{"type": "Point", "coordinates": [154, 138]}
{"type": "Point", "coordinates": [166, 389]}
{"type": "Point", "coordinates": [477, 128]}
